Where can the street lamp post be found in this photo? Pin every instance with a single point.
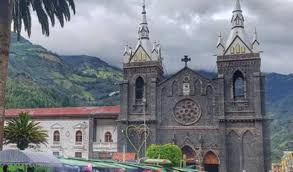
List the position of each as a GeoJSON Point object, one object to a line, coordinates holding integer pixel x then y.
{"type": "Point", "coordinates": [145, 126]}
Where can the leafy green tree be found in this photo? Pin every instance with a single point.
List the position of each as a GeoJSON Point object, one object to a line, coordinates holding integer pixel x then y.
{"type": "Point", "coordinates": [23, 131]}
{"type": "Point", "coordinates": [18, 13]}
{"type": "Point", "coordinates": [168, 151]}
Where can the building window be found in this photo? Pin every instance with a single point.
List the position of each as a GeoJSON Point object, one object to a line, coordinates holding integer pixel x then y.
{"type": "Point", "coordinates": [56, 136]}
{"type": "Point", "coordinates": [78, 137]}
{"type": "Point", "coordinates": [139, 89]}
{"type": "Point", "coordinates": [56, 153]}
{"type": "Point", "coordinates": [238, 48]}
{"type": "Point", "coordinates": [78, 155]}
{"type": "Point", "coordinates": [108, 137]}
{"type": "Point", "coordinates": [232, 50]}
{"type": "Point", "coordinates": [238, 85]}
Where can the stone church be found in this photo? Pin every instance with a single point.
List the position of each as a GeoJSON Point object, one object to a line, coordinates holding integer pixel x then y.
{"type": "Point", "coordinates": [220, 124]}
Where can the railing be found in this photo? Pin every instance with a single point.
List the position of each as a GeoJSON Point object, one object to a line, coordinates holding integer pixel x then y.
{"type": "Point", "coordinates": [56, 143]}
{"type": "Point", "coordinates": [105, 146]}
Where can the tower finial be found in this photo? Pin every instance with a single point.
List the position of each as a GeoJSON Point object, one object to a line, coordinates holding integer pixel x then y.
{"type": "Point", "coordinates": [237, 18]}
{"type": "Point", "coordinates": [237, 6]}
{"type": "Point", "coordinates": [255, 34]}
{"type": "Point", "coordinates": [143, 7]}
{"type": "Point", "coordinates": [220, 40]}
{"type": "Point", "coordinates": [255, 43]}
{"type": "Point", "coordinates": [143, 32]}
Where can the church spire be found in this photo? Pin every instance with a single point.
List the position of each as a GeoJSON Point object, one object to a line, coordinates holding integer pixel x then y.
{"type": "Point", "coordinates": [237, 25]}
{"type": "Point", "coordinates": [220, 45]}
{"type": "Point", "coordinates": [237, 6]}
{"type": "Point", "coordinates": [255, 44]}
{"type": "Point", "coordinates": [255, 37]}
{"type": "Point", "coordinates": [144, 50]}
{"type": "Point", "coordinates": [237, 18]}
{"type": "Point", "coordinates": [143, 31]}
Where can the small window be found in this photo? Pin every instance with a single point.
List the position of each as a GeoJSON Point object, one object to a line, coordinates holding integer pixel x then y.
{"type": "Point", "coordinates": [56, 136]}
{"type": "Point", "coordinates": [238, 49]}
{"type": "Point", "coordinates": [78, 155]}
{"type": "Point", "coordinates": [243, 49]}
{"type": "Point", "coordinates": [238, 85]}
{"type": "Point", "coordinates": [108, 137]}
{"type": "Point", "coordinates": [78, 137]}
{"type": "Point", "coordinates": [232, 50]}
{"type": "Point", "coordinates": [56, 154]}
{"type": "Point", "coordinates": [139, 89]}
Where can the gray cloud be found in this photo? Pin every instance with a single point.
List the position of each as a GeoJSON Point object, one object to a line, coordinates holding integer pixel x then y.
{"type": "Point", "coordinates": [102, 27]}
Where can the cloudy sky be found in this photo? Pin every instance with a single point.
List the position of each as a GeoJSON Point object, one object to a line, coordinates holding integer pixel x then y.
{"type": "Point", "coordinates": [102, 28]}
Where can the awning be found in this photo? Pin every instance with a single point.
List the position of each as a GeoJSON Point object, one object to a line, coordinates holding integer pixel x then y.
{"type": "Point", "coordinates": [158, 161]}
{"type": "Point", "coordinates": [184, 169]}
{"type": "Point", "coordinates": [75, 162]}
{"type": "Point", "coordinates": [27, 157]}
{"type": "Point", "coordinates": [150, 167]}
{"type": "Point", "coordinates": [95, 163]}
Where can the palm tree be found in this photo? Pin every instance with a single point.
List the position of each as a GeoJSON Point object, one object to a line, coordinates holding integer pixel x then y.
{"type": "Point", "coordinates": [18, 13]}
{"type": "Point", "coordinates": [22, 131]}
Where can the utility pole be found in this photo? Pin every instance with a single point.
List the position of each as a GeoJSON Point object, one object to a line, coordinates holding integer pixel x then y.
{"type": "Point", "coordinates": [145, 126]}
{"type": "Point", "coordinates": [124, 152]}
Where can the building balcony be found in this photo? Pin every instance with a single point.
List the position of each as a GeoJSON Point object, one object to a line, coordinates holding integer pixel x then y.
{"type": "Point", "coordinates": [56, 145]}
{"type": "Point", "coordinates": [105, 146]}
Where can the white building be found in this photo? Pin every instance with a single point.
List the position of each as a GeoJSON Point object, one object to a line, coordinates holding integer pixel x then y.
{"type": "Point", "coordinates": [87, 132]}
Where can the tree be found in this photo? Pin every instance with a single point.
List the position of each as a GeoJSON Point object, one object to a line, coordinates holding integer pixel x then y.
{"type": "Point", "coordinates": [18, 12]}
{"type": "Point", "coordinates": [23, 131]}
{"type": "Point", "coordinates": [168, 151]}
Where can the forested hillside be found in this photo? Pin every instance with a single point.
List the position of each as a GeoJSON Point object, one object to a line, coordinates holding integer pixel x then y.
{"type": "Point", "coordinates": [40, 78]}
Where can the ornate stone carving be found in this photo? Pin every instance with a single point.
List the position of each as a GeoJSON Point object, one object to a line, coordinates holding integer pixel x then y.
{"type": "Point", "coordinates": [187, 112]}
{"type": "Point", "coordinates": [186, 89]}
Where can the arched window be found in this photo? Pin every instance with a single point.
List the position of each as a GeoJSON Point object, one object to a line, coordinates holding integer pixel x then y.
{"type": "Point", "coordinates": [232, 50]}
{"type": "Point", "coordinates": [78, 137]}
{"type": "Point", "coordinates": [238, 48]}
{"type": "Point", "coordinates": [139, 89]}
{"type": "Point", "coordinates": [238, 85]}
{"type": "Point", "coordinates": [56, 136]}
{"type": "Point", "coordinates": [108, 137]}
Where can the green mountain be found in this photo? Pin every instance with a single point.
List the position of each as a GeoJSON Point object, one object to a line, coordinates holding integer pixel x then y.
{"type": "Point", "coordinates": [279, 99]}
{"type": "Point", "coordinates": [40, 78]}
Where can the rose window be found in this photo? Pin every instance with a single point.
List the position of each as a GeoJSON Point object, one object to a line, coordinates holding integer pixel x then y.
{"type": "Point", "coordinates": [187, 112]}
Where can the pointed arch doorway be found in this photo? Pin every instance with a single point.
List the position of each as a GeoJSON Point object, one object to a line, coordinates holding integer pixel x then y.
{"type": "Point", "coordinates": [190, 156]}
{"type": "Point", "coordinates": [211, 162]}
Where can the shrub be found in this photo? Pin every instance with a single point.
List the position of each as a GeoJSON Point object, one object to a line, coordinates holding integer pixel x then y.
{"type": "Point", "coordinates": [168, 151]}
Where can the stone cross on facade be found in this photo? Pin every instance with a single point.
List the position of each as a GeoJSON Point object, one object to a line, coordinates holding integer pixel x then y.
{"type": "Point", "coordinates": [186, 60]}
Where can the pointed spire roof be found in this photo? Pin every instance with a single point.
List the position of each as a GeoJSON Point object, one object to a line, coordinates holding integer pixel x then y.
{"type": "Point", "coordinates": [237, 25]}
{"type": "Point", "coordinates": [255, 36]}
{"type": "Point", "coordinates": [144, 48]}
{"type": "Point", "coordinates": [237, 18]}
{"type": "Point", "coordinates": [220, 40]}
{"type": "Point", "coordinates": [143, 31]}
{"type": "Point", "coordinates": [237, 6]}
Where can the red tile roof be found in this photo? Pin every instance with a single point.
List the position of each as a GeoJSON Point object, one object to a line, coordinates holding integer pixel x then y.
{"type": "Point", "coordinates": [65, 111]}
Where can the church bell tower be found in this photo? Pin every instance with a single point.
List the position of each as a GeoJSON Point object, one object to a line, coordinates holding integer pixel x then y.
{"type": "Point", "coordinates": [243, 104]}
{"type": "Point", "coordinates": [142, 70]}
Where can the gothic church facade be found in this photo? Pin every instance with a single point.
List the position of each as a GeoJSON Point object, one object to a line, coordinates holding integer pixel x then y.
{"type": "Point", "coordinates": [220, 124]}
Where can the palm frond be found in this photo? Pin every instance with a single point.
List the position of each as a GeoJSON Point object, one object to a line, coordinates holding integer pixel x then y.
{"type": "Point", "coordinates": [46, 11]}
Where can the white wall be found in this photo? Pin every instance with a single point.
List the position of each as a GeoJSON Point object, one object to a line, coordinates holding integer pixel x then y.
{"type": "Point", "coordinates": [106, 125]}
{"type": "Point", "coordinates": [67, 128]}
